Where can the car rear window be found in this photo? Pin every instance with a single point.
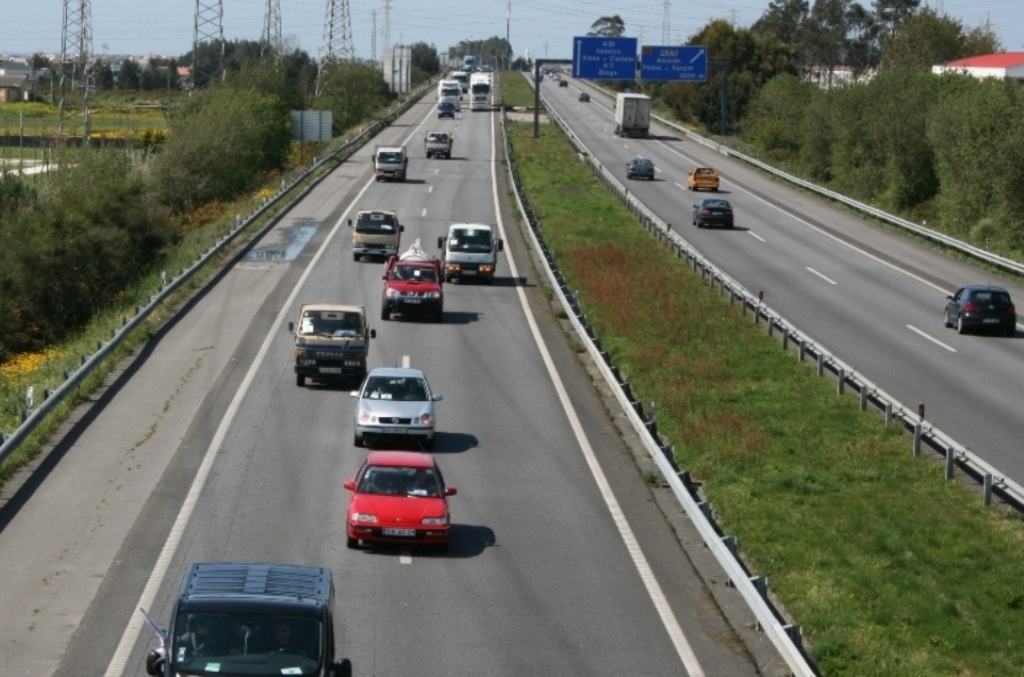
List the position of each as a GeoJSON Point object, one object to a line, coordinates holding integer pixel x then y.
{"type": "Point", "coordinates": [716, 204]}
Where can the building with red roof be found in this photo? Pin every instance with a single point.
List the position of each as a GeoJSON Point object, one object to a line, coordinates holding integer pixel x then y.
{"type": "Point", "coordinates": [1004, 66]}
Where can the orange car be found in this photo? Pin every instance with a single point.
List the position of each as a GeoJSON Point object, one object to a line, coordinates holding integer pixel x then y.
{"type": "Point", "coordinates": [703, 178]}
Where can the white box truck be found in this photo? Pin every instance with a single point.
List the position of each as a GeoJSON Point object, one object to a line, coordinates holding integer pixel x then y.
{"type": "Point", "coordinates": [632, 114]}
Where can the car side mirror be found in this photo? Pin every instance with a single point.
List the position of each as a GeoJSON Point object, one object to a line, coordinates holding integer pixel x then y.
{"type": "Point", "coordinates": [440, 242]}
{"type": "Point", "coordinates": [342, 668]}
{"type": "Point", "coordinates": [155, 661]}
{"type": "Point", "coordinates": [501, 245]}
{"type": "Point", "coordinates": [350, 223]}
{"type": "Point", "coordinates": [437, 397]}
{"type": "Point", "coordinates": [349, 484]}
{"type": "Point", "coordinates": [291, 327]}
{"type": "Point", "coordinates": [401, 229]}
{"type": "Point", "coordinates": [450, 491]}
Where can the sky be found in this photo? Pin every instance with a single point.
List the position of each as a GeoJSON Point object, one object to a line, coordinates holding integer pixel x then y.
{"type": "Point", "coordinates": [544, 28]}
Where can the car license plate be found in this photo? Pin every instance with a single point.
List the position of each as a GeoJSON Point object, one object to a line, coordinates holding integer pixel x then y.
{"type": "Point", "coordinates": [412, 301]}
{"type": "Point", "coordinates": [408, 533]}
{"type": "Point", "coordinates": [991, 320]}
{"type": "Point", "coordinates": [469, 272]}
{"type": "Point", "coordinates": [330, 370]}
{"type": "Point", "coordinates": [393, 431]}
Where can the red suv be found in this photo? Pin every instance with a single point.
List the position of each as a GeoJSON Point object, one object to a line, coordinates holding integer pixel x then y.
{"type": "Point", "coordinates": [413, 286]}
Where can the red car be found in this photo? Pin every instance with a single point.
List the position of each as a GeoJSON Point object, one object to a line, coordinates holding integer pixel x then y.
{"type": "Point", "coordinates": [398, 497]}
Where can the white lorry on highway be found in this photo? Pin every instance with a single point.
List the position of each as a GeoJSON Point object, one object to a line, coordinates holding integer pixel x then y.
{"type": "Point", "coordinates": [480, 91]}
{"type": "Point", "coordinates": [632, 114]}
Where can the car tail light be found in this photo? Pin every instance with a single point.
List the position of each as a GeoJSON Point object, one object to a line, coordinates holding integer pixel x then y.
{"type": "Point", "coordinates": [1010, 310]}
{"type": "Point", "coordinates": [969, 307]}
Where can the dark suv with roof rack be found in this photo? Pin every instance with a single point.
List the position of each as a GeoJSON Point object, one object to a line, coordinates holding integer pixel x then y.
{"type": "Point", "coordinates": [244, 618]}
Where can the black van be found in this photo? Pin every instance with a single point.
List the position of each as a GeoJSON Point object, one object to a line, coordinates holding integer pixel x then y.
{"type": "Point", "coordinates": [243, 618]}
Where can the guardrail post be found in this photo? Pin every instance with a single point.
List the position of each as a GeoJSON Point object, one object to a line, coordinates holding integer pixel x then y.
{"type": "Point", "coordinates": [918, 432]}
{"type": "Point", "coordinates": [803, 350]}
{"type": "Point", "coordinates": [888, 414]}
{"type": "Point", "coordinates": [821, 364]}
{"type": "Point", "coordinates": [731, 543]}
{"type": "Point", "coordinates": [986, 484]}
{"type": "Point", "coordinates": [785, 339]}
{"type": "Point", "coordinates": [705, 508]}
{"type": "Point", "coordinates": [841, 385]}
{"type": "Point", "coordinates": [950, 458]}
{"type": "Point", "coordinates": [771, 325]}
{"type": "Point", "coordinates": [760, 584]}
{"type": "Point", "coordinates": [863, 397]}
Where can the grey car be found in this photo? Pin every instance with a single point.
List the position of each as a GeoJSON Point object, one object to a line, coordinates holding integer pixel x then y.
{"type": "Point", "coordinates": [395, 405]}
{"type": "Point", "coordinates": [640, 168]}
{"type": "Point", "coordinates": [981, 307]}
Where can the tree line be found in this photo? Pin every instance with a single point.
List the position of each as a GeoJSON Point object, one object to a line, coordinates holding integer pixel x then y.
{"type": "Point", "coordinates": [74, 240]}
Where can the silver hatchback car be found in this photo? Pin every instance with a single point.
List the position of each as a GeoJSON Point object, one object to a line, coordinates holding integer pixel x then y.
{"type": "Point", "coordinates": [395, 405]}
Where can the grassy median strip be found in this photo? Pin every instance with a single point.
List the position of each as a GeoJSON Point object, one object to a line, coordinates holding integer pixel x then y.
{"type": "Point", "coordinates": [888, 568]}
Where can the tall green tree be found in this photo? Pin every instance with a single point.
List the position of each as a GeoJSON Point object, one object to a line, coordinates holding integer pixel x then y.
{"type": "Point", "coordinates": [783, 19]}
{"type": "Point", "coordinates": [223, 142]}
{"type": "Point", "coordinates": [129, 75]}
{"type": "Point", "coordinates": [425, 61]}
{"type": "Point", "coordinates": [353, 92]}
{"type": "Point", "coordinates": [608, 27]}
{"type": "Point", "coordinates": [927, 38]}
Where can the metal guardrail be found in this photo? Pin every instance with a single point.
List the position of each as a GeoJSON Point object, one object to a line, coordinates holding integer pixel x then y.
{"type": "Point", "coordinates": [32, 416]}
{"type": "Point", "coordinates": [786, 637]}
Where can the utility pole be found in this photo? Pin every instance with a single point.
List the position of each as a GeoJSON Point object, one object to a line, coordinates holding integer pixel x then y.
{"type": "Point", "coordinates": [209, 27]}
{"type": "Point", "coordinates": [75, 51]}
{"type": "Point", "coordinates": [272, 41]}
{"type": "Point", "coordinates": [337, 44]}
{"type": "Point", "coordinates": [666, 24]}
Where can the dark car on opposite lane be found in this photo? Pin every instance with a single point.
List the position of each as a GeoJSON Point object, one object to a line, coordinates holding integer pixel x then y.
{"type": "Point", "coordinates": [584, 97]}
{"type": "Point", "coordinates": [981, 307]}
{"type": "Point", "coordinates": [445, 110]}
{"type": "Point", "coordinates": [713, 211]}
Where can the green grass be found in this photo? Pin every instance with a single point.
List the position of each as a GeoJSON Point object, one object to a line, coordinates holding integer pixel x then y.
{"type": "Point", "coordinates": [889, 569]}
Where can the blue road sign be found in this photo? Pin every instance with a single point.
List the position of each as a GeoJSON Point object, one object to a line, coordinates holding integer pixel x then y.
{"type": "Point", "coordinates": [604, 58]}
{"type": "Point", "coordinates": [681, 63]}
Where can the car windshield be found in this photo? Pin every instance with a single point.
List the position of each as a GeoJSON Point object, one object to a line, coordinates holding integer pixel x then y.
{"type": "Point", "coordinates": [704, 170]}
{"type": "Point", "coordinates": [415, 274]}
{"type": "Point", "coordinates": [408, 389]}
{"type": "Point", "coordinates": [246, 643]}
{"type": "Point", "coordinates": [393, 158]}
{"type": "Point", "coordinates": [470, 240]}
{"type": "Point", "coordinates": [399, 481]}
{"type": "Point", "coordinates": [330, 323]}
{"type": "Point", "coordinates": [375, 223]}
